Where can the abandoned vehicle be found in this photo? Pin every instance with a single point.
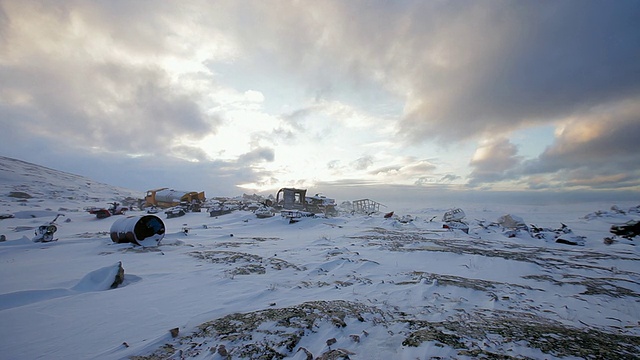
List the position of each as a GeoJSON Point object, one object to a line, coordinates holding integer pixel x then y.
{"type": "Point", "coordinates": [166, 198]}
{"type": "Point", "coordinates": [297, 199]}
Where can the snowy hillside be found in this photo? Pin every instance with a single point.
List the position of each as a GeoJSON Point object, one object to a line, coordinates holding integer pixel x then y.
{"type": "Point", "coordinates": [354, 286]}
{"type": "Point", "coordinates": [19, 179]}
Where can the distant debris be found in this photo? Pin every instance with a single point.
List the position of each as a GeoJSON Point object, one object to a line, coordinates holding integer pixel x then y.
{"type": "Point", "coordinates": [297, 199]}
{"type": "Point", "coordinates": [628, 230]}
{"type": "Point", "coordinates": [512, 222]}
{"type": "Point", "coordinates": [222, 208]}
{"type": "Point", "coordinates": [114, 209]}
{"type": "Point", "coordinates": [561, 235]}
{"type": "Point", "coordinates": [295, 215]}
{"type": "Point", "coordinates": [167, 198]}
{"type": "Point", "coordinates": [456, 214]}
{"type": "Point", "coordinates": [175, 212]}
{"type": "Point", "coordinates": [614, 211]}
{"type": "Point", "coordinates": [454, 219]}
{"type": "Point", "coordinates": [512, 225]}
{"type": "Point", "coordinates": [264, 212]}
{"type": "Point", "coordinates": [366, 206]}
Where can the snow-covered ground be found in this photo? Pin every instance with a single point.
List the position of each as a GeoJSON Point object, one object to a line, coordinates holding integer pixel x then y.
{"type": "Point", "coordinates": [353, 286]}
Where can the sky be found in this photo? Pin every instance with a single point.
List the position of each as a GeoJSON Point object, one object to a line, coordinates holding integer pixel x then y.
{"type": "Point", "coordinates": [355, 99]}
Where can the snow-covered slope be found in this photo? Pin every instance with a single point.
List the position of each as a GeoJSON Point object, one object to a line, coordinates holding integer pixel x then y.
{"type": "Point", "coordinates": [27, 182]}
{"type": "Point", "coordinates": [352, 286]}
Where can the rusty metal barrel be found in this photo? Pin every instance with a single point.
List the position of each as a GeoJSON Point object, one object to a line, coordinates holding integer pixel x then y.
{"type": "Point", "coordinates": [143, 230]}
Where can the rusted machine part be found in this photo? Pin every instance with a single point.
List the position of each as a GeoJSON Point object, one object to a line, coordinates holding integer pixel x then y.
{"type": "Point", "coordinates": [143, 230]}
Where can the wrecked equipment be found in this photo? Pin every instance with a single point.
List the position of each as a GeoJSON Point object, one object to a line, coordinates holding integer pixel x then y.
{"type": "Point", "coordinates": [114, 209]}
{"type": "Point", "coordinates": [454, 219]}
{"type": "Point", "coordinates": [44, 233]}
{"type": "Point", "coordinates": [297, 199]}
{"type": "Point", "coordinates": [166, 198]}
{"type": "Point", "coordinates": [175, 212]}
{"type": "Point", "coordinates": [143, 230]}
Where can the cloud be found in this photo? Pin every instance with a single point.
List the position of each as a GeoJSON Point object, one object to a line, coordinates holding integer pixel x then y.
{"type": "Point", "coordinates": [189, 153]}
{"type": "Point", "coordinates": [497, 68]}
{"type": "Point", "coordinates": [463, 71]}
{"type": "Point", "coordinates": [362, 163]}
{"type": "Point", "coordinates": [493, 161]}
{"type": "Point", "coordinates": [151, 80]}
{"type": "Point", "coordinates": [449, 178]}
{"type": "Point", "coordinates": [595, 149]}
{"type": "Point", "coordinates": [69, 75]}
{"type": "Point", "coordinates": [596, 138]}
{"type": "Point", "coordinates": [257, 155]}
{"type": "Point", "coordinates": [598, 148]}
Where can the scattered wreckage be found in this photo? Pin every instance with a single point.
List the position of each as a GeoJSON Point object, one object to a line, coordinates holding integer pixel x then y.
{"type": "Point", "coordinates": [264, 212]}
{"type": "Point", "coordinates": [366, 206]}
{"type": "Point", "coordinates": [297, 199]}
{"type": "Point", "coordinates": [294, 204]}
{"type": "Point", "coordinates": [102, 213]}
{"type": "Point", "coordinates": [561, 235]}
{"type": "Point", "coordinates": [175, 202]}
{"type": "Point", "coordinates": [454, 219]}
{"type": "Point", "coordinates": [44, 233]}
{"type": "Point", "coordinates": [512, 226]}
{"type": "Point", "coordinates": [175, 212]}
{"type": "Point", "coordinates": [220, 208]}
{"type": "Point", "coordinates": [628, 230]}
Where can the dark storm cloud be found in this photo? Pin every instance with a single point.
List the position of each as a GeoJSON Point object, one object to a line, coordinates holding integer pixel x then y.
{"type": "Point", "coordinates": [533, 61]}
{"type": "Point", "coordinates": [464, 69]}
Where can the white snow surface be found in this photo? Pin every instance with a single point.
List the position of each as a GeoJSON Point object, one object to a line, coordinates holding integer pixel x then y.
{"type": "Point", "coordinates": [414, 277]}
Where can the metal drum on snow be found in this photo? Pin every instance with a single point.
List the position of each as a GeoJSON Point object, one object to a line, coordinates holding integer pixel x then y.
{"type": "Point", "coordinates": [144, 230]}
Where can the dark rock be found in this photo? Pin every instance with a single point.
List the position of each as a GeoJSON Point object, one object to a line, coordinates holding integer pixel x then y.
{"type": "Point", "coordinates": [19, 195]}
{"type": "Point", "coordinates": [627, 230]}
{"type": "Point", "coordinates": [119, 279]}
{"type": "Point", "coordinates": [222, 350]}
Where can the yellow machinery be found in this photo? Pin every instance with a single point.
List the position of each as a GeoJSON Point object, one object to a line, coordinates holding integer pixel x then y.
{"type": "Point", "coordinates": [166, 198]}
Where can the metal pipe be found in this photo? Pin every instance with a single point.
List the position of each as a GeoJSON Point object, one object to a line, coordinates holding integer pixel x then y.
{"type": "Point", "coordinates": [143, 230]}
